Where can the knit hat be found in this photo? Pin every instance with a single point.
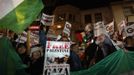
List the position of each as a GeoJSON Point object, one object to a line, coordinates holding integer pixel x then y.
{"type": "Point", "coordinates": [36, 49]}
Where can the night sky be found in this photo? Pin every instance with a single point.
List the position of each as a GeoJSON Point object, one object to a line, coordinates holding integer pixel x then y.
{"type": "Point", "coordinates": [82, 4]}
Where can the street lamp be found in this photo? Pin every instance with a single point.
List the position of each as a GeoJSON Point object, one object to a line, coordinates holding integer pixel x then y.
{"type": "Point", "coordinates": [59, 26]}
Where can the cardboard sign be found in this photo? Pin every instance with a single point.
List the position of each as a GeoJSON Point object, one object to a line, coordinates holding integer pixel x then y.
{"type": "Point", "coordinates": [129, 30]}
{"type": "Point", "coordinates": [121, 26]}
{"type": "Point", "coordinates": [67, 28]}
{"type": "Point", "coordinates": [56, 57]}
{"type": "Point", "coordinates": [110, 28]}
{"type": "Point", "coordinates": [47, 20]}
{"type": "Point", "coordinates": [34, 38]}
{"type": "Point", "coordinates": [99, 29]}
{"type": "Point", "coordinates": [22, 37]}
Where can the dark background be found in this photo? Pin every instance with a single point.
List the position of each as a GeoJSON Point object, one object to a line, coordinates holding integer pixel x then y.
{"type": "Point", "coordinates": [50, 5]}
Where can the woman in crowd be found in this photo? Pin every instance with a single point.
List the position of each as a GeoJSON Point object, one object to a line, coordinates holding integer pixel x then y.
{"type": "Point", "coordinates": [22, 51]}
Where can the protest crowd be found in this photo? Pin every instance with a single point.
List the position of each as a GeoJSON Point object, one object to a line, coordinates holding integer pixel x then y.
{"type": "Point", "coordinates": [95, 45]}
{"type": "Point", "coordinates": [97, 48]}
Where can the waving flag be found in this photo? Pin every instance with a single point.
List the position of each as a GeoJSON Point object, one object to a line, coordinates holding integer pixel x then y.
{"type": "Point", "coordinates": [47, 20]}
{"type": "Point", "coordinates": [118, 63]}
{"type": "Point", "coordinates": [10, 62]}
{"type": "Point", "coordinates": [7, 6]}
{"type": "Point", "coordinates": [22, 16]}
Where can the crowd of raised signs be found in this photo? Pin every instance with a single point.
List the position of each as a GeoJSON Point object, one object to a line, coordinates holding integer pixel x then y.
{"type": "Point", "coordinates": [95, 49]}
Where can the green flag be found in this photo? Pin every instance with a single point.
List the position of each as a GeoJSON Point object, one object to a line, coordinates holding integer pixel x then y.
{"type": "Point", "coordinates": [118, 63]}
{"type": "Point", "coordinates": [10, 62]}
{"type": "Point", "coordinates": [22, 16]}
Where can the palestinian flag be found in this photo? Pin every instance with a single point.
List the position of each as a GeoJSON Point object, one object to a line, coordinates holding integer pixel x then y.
{"type": "Point", "coordinates": [120, 62]}
{"type": "Point", "coordinates": [17, 15]}
{"type": "Point", "coordinates": [10, 62]}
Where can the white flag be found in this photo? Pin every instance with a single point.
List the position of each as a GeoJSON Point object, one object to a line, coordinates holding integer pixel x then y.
{"type": "Point", "coordinates": [110, 28]}
{"type": "Point", "coordinates": [129, 30]}
{"type": "Point", "coordinates": [47, 20]}
{"type": "Point", "coordinates": [121, 26]}
{"type": "Point", "coordinates": [67, 28]}
{"type": "Point", "coordinates": [7, 6]}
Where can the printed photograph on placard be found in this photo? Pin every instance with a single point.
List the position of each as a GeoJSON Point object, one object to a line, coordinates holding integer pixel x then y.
{"type": "Point", "coordinates": [56, 58]}
{"type": "Point", "coordinates": [57, 52]}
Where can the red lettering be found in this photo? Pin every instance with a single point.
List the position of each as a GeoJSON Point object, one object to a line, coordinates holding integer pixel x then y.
{"type": "Point", "coordinates": [54, 46]}
{"type": "Point", "coordinates": [60, 47]}
{"type": "Point", "coordinates": [66, 46]}
{"type": "Point", "coordinates": [48, 45]}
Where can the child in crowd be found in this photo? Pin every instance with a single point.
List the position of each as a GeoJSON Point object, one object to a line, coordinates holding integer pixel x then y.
{"type": "Point", "coordinates": [37, 61]}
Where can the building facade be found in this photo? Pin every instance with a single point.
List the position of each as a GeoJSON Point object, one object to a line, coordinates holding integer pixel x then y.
{"type": "Point", "coordinates": [123, 10]}
{"type": "Point", "coordinates": [79, 18]}
{"type": "Point", "coordinates": [116, 11]}
{"type": "Point", "coordinates": [67, 13]}
{"type": "Point", "coordinates": [95, 15]}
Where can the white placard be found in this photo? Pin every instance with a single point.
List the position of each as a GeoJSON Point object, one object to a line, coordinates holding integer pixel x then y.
{"type": "Point", "coordinates": [56, 57]}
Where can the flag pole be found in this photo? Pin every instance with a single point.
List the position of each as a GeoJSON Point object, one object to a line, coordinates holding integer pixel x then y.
{"type": "Point", "coordinates": [28, 41]}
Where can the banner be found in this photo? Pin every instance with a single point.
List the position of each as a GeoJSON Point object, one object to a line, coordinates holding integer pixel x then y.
{"type": "Point", "coordinates": [110, 28]}
{"type": "Point", "coordinates": [47, 20]}
{"type": "Point", "coordinates": [56, 58]}
{"type": "Point", "coordinates": [7, 6]}
{"type": "Point", "coordinates": [67, 28]}
{"type": "Point", "coordinates": [129, 30]}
